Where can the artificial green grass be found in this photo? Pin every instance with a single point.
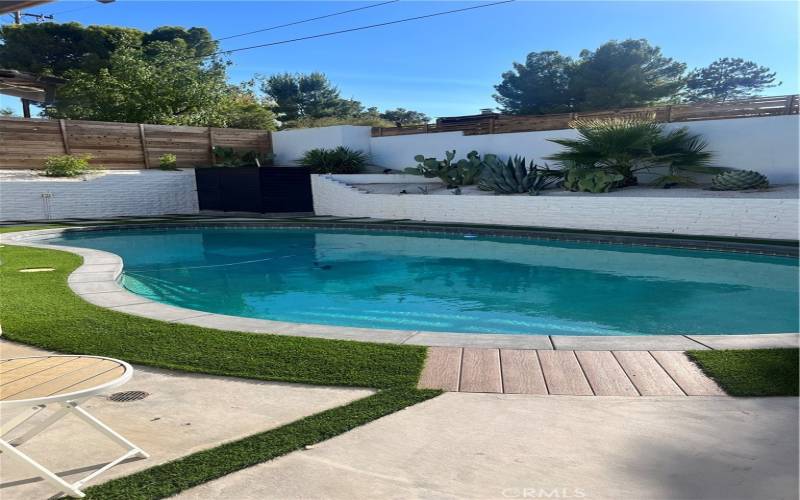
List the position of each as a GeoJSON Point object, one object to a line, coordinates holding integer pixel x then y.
{"type": "Point", "coordinates": [170, 478]}
{"type": "Point", "coordinates": [39, 309]}
{"type": "Point", "coordinates": [752, 372]}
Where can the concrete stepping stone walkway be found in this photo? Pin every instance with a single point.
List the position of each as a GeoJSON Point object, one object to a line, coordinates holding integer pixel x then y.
{"type": "Point", "coordinates": [568, 373]}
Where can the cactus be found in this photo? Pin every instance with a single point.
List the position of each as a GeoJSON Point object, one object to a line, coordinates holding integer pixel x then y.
{"type": "Point", "coordinates": [464, 172]}
{"type": "Point", "coordinates": [738, 180]}
{"type": "Point", "coordinates": [514, 176]}
{"type": "Point", "coordinates": [590, 180]}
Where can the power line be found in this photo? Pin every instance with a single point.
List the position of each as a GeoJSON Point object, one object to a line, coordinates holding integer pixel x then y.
{"type": "Point", "coordinates": [305, 20]}
{"type": "Point", "coordinates": [350, 30]}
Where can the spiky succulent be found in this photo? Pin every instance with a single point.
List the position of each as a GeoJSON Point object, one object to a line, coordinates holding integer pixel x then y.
{"type": "Point", "coordinates": [513, 176]}
{"type": "Point", "coordinates": [738, 180]}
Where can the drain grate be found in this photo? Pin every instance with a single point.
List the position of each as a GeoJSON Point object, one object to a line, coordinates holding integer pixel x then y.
{"type": "Point", "coordinates": [124, 397]}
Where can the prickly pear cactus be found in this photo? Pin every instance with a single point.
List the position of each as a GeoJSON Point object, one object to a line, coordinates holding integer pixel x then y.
{"type": "Point", "coordinates": [738, 180]}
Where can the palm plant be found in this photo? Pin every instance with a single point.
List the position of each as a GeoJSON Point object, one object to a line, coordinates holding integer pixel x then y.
{"type": "Point", "coordinates": [620, 144]}
{"type": "Point", "coordinates": [682, 152]}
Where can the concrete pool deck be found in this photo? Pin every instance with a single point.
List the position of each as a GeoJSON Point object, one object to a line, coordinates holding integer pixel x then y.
{"type": "Point", "coordinates": [96, 281]}
{"type": "Point", "coordinates": [183, 414]}
{"type": "Point", "coordinates": [500, 446]}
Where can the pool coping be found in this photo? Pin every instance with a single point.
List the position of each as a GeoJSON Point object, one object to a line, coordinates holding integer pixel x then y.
{"type": "Point", "coordinates": [96, 281]}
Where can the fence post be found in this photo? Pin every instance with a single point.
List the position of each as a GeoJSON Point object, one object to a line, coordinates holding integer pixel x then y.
{"type": "Point", "coordinates": [62, 124]}
{"type": "Point", "coordinates": [491, 125]}
{"type": "Point", "coordinates": [210, 146]}
{"type": "Point", "coordinates": [145, 153]}
{"type": "Point", "coordinates": [669, 113]}
{"type": "Point", "coordinates": [790, 103]}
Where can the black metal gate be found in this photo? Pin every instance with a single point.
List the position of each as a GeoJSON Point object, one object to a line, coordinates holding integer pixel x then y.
{"type": "Point", "coordinates": [254, 189]}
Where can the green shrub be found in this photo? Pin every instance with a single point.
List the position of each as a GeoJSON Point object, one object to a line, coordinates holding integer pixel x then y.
{"type": "Point", "coordinates": [229, 157]}
{"type": "Point", "coordinates": [590, 180]}
{"type": "Point", "coordinates": [67, 165]}
{"type": "Point", "coordinates": [168, 161]}
{"type": "Point", "coordinates": [341, 160]}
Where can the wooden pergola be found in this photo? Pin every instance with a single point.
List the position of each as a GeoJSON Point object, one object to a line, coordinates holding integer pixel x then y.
{"type": "Point", "coordinates": [7, 6]}
{"type": "Point", "coordinates": [29, 87]}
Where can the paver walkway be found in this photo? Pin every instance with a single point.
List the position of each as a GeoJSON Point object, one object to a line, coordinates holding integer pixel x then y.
{"type": "Point", "coordinates": [571, 373]}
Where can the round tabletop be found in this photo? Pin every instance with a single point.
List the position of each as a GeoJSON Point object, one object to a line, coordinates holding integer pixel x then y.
{"type": "Point", "coordinates": [49, 379]}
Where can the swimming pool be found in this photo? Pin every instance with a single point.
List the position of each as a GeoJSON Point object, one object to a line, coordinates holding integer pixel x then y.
{"type": "Point", "coordinates": [453, 283]}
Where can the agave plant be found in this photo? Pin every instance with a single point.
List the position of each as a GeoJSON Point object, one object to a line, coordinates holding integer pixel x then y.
{"type": "Point", "coordinates": [513, 176]}
{"type": "Point", "coordinates": [340, 160]}
{"type": "Point", "coordinates": [620, 144]}
{"type": "Point", "coordinates": [738, 180]}
{"type": "Point", "coordinates": [464, 172]}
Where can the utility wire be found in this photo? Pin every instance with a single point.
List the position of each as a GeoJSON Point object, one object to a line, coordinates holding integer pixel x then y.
{"type": "Point", "coordinates": [350, 30]}
{"type": "Point", "coordinates": [305, 20]}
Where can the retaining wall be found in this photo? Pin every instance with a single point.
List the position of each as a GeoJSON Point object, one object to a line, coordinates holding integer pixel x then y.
{"type": "Point", "coordinates": [114, 193]}
{"type": "Point", "coordinates": [771, 218]}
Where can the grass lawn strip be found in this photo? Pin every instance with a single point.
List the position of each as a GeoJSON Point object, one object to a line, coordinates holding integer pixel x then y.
{"type": "Point", "coordinates": [173, 477]}
{"type": "Point", "coordinates": [752, 372]}
{"type": "Point", "coordinates": [39, 309]}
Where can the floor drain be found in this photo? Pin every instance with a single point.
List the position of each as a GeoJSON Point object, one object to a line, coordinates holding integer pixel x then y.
{"type": "Point", "coordinates": [124, 397]}
{"type": "Point", "coordinates": [37, 270]}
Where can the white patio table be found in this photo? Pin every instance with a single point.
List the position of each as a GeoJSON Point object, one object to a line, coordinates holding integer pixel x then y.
{"type": "Point", "coordinates": [36, 382]}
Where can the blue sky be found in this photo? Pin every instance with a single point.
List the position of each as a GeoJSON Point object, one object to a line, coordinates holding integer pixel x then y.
{"type": "Point", "coordinates": [448, 65]}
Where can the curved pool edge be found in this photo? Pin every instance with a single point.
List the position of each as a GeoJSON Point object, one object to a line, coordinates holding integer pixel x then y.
{"type": "Point", "coordinates": [97, 281]}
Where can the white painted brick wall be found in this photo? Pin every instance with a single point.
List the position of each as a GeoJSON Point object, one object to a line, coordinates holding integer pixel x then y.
{"type": "Point", "coordinates": [116, 193]}
{"type": "Point", "coordinates": [741, 217]}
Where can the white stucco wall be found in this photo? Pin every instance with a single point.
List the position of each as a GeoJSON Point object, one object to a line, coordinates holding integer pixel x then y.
{"type": "Point", "coordinates": [773, 218]}
{"type": "Point", "coordinates": [109, 194]}
{"type": "Point", "coordinates": [770, 145]}
{"type": "Point", "coordinates": [289, 145]}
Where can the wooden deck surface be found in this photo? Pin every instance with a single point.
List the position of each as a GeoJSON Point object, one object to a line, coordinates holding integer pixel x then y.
{"type": "Point", "coordinates": [569, 373]}
{"type": "Point", "coordinates": [28, 378]}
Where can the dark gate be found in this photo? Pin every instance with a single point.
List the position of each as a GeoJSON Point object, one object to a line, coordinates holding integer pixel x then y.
{"type": "Point", "coordinates": [286, 189]}
{"type": "Point", "coordinates": [254, 189]}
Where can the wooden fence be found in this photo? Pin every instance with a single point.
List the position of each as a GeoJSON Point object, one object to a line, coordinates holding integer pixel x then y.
{"type": "Point", "coordinates": [25, 143]}
{"type": "Point", "coordinates": [499, 124]}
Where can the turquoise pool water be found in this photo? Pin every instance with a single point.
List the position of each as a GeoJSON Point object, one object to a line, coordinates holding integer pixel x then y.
{"type": "Point", "coordinates": [453, 283]}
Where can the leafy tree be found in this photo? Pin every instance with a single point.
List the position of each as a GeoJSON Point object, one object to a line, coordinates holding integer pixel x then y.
{"type": "Point", "coordinates": [6, 112]}
{"type": "Point", "coordinates": [300, 96]}
{"type": "Point", "coordinates": [728, 78]}
{"type": "Point", "coordinates": [162, 86]}
{"type": "Point", "coordinates": [53, 48]}
{"type": "Point", "coordinates": [198, 41]}
{"type": "Point", "coordinates": [539, 86]}
{"type": "Point", "coordinates": [242, 109]}
{"type": "Point", "coordinates": [404, 116]}
{"type": "Point", "coordinates": [624, 74]}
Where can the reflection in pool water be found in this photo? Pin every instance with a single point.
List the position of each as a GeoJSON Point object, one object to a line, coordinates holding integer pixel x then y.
{"type": "Point", "coordinates": [419, 281]}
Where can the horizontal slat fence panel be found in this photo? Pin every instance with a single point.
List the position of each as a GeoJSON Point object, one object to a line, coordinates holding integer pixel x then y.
{"type": "Point", "coordinates": [25, 143]}
{"type": "Point", "coordinates": [494, 124]}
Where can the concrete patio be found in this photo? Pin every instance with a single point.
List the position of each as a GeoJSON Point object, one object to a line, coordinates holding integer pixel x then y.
{"type": "Point", "coordinates": [498, 446]}
{"type": "Point", "coordinates": [184, 413]}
